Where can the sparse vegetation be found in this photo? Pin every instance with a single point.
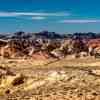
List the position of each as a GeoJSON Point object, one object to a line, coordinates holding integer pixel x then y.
{"type": "Point", "coordinates": [44, 69]}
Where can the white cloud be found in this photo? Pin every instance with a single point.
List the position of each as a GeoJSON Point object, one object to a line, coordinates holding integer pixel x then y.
{"type": "Point", "coordinates": [12, 14]}
{"type": "Point", "coordinates": [7, 14]}
{"type": "Point", "coordinates": [41, 14]}
{"type": "Point", "coordinates": [38, 18]}
{"type": "Point", "coordinates": [80, 21]}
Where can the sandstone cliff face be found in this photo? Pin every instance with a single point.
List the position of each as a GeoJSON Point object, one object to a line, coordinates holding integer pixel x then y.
{"type": "Point", "coordinates": [25, 45]}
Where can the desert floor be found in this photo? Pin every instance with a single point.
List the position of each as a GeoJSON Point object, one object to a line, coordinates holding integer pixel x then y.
{"type": "Point", "coordinates": [65, 79]}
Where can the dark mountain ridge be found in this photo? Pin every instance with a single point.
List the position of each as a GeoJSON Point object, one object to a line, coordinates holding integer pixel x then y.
{"type": "Point", "coordinates": [49, 35]}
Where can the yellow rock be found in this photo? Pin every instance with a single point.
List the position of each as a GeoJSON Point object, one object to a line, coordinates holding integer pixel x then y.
{"type": "Point", "coordinates": [34, 85]}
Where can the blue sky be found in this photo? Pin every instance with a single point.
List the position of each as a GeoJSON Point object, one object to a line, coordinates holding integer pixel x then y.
{"type": "Point", "coordinates": [62, 16]}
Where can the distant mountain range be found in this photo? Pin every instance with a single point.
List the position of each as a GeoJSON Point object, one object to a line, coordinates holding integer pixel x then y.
{"type": "Point", "coordinates": [49, 35]}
